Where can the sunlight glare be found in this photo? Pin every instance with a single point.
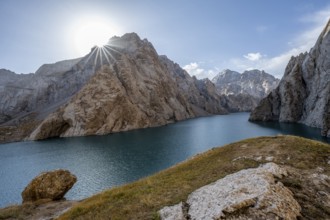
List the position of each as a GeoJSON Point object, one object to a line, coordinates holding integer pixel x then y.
{"type": "Point", "coordinates": [91, 32]}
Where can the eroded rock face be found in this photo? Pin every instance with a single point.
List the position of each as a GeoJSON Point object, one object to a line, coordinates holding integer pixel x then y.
{"type": "Point", "coordinates": [303, 94]}
{"type": "Point", "coordinates": [247, 194]}
{"type": "Point", "coordinates": [135, 88]}
{"type": "Point", "coordinates": [124, 85]}
{"type": "Point", "coordinates": [252, 82]}
{"type": "Point", "coordinates": [51, 185]}
{"type": "Point", "coordinates": [239, 102]}
{"type": "Point", "coordinates": [201, 94]}
{"type": "Point", "coordinates": [53, 84]}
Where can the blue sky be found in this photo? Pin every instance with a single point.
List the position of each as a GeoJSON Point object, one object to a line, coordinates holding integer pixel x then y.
{"type": "Point", "coordinates": [204, 37]}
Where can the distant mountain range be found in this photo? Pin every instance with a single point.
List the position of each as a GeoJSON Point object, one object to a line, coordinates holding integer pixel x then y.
{"type": "Point", "coordinates": [243, 91]}
{"type": "Point", "coordinates": [253, 82]}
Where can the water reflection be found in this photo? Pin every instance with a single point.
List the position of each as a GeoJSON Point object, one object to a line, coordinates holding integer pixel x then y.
{"type": "Point", "coordinates": [295, 129]}
{"type": "Point", "coordinates": [102, 162]}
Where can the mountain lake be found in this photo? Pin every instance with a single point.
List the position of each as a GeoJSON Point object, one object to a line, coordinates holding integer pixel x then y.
{"type": "Point", "coordinates": [102, 162]}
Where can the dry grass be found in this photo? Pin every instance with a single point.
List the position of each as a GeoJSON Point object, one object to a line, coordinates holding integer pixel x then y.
{"type": "Point", "coordinates": [19, 211]}
{"type": "Point", "coordinates": [142, 199]}
{"type": "Point", "coordinates": [43, 209]}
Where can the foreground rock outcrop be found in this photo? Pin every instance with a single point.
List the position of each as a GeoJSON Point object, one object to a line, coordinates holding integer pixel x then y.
{"type": "Point", "coordinates": [242, 92]}
{"type": "Point", "coordinates": [247, 194]}
{"type": "Point", "coordinates": [303, 94]}
{"type": "Point", "coordinates": [121, 86]}
{"type": "Point", "coordinates": [52, 185]}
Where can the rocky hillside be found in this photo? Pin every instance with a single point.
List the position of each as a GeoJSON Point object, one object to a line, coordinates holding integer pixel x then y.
{"type": "Point", "coordinates": [303, 94]}
{"type": "Point", "coordinates": [242, 92]}
{"type": "Point", "coordinates": [53, 84]}
{"type": "Point", "coordinates": [124, 85]}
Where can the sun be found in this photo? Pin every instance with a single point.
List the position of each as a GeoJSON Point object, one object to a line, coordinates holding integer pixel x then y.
{"type": "Point", "coordinates": [91, 32]}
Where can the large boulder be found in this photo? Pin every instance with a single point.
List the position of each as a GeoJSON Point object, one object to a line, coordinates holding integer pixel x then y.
{"type": "Point", "coordinates": [51, 185]}
{"type": "Point", "coordinates": [247, 194]}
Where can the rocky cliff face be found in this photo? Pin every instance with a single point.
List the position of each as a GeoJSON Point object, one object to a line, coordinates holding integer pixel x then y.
{"type": "Point", "coordinates": [124, 85]}
{"type": "Point", "coordinates": [303, 94]}
{"type": "Point", "coordinates": [239, 102]}
{"type": "Point", "coordinates": [50, 87]}
{"type": "Point", "coordinates": [58, 67]}
{"type": "Point", "coordinates": [201, 94]}
{"type": "Point", "coordinates": [242, 92]}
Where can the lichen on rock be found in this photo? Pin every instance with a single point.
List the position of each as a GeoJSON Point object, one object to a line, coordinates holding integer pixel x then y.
{"type": "Point", "coordinates": [52, 185]}
{"type": "Point", "coordinates": [250, 193]}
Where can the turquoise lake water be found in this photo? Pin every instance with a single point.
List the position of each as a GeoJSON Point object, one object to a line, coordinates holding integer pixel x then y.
{"type": "Point", "coordinates": [101, 162]}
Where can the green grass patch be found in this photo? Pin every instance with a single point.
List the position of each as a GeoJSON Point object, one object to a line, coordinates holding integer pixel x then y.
{"type": "Point", "coordinates": [142, 199]}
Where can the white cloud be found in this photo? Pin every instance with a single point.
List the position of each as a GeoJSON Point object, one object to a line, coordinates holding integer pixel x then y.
{"type": "Point", "coordinates": [253, 56]}
{"type": "Point", "coordinates": [261, 29]}
{"type": "Point", "coordinates": [303, 42]}
{"type": "Point", "coordinates": [194, 69]}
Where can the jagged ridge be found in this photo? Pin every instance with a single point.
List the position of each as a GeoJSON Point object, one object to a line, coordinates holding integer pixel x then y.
{"type": "Point", "coordinates": [303, 94]}
{"type": "Point", "coordinates": [242, 92]}
{"type": "Point", "coordinates": [125, 85]}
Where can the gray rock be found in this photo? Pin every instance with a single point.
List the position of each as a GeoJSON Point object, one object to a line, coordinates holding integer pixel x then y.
{"type": "Point", "coordinates": [239, 102]}
{"type": "Point", "coordinates": [247, 194]}
{"type": "Point", "coordinates": [252, 82]}
{"type": "Point", "coordinates": [172, 212]}
{"type": "Point", "coordinates": [303, 94]}
{"type": "Point", "coordinates": [44, 92]}
{"type": "Point", "coordinates": [242, 92]}
{"type": "Point", "coordinates": [58, 67]}
{"type": "Point", "coordinates": [201, 94]}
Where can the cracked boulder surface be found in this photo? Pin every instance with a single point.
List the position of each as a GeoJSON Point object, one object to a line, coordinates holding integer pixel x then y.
{"type": "Point", "coordinates": [248, 194]}
{"type": "Point", "coordinates": [52, 185]}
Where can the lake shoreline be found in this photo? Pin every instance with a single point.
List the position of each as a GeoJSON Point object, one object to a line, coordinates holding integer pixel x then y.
{"type": "Point", "coordinates": [301, 156]}
{"type": "Point", "coordinates": [102, 162]}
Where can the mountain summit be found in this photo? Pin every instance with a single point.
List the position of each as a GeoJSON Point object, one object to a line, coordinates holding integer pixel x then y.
{"type": "Point", "coordinates": [303, 94]}
{"type": "Point", "coordinates": [122, 86]}
{"type": "Point", "coordinates": [243, 92]}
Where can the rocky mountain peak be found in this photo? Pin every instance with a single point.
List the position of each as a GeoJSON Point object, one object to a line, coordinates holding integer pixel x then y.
{"type": "Point", "coordinates": [303, 95]}
{"type": "Point", "coordinates": [130, 43]}
{"type": "Point", "coordinates": [226, 76]}
{"type": "Point", "coordinates": [131, 37]}
{"type": "Point", "coordinates": [242, 92]}
{"type": "Point", "coordinates": [324, 33]}
{"type": "Point", "coordinates": [255, 73]}
{"type": "Point", "coordinates": [252, 82]}
{"type": "Point", "coordinates": [227, 72]}
{"type": "Point", "coordinates": [121, 86]}
{"type": "Point", "coordinates": [61, 66]}
{"type": "Point", "coordinates": [5, 75]}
